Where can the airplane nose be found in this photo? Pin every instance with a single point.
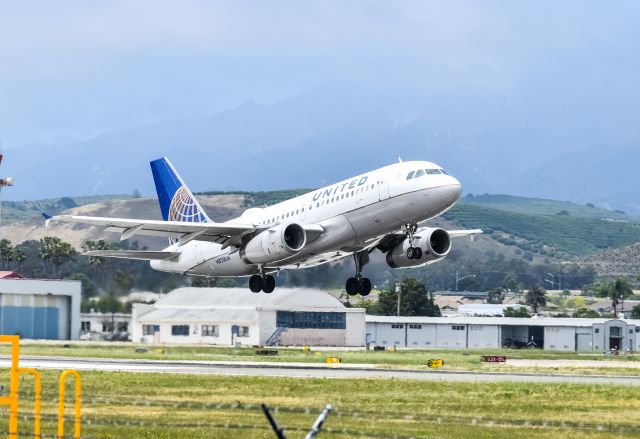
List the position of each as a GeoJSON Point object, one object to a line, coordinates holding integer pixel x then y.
{"type": "Point", "coordinates": [453, 190]}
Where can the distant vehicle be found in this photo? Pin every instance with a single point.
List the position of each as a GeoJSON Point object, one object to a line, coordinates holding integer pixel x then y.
{"type": "Point", "coordinates": [380, 210]}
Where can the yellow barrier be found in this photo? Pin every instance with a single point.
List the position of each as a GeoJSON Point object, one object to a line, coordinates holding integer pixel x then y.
{"type": "Point", "coordinates": [334, 360]}
{"type": "Point", "coordinates": [37, 409]}
{"type": "Point", "coordinates": [63, 377]}
{"type": "Point", "coordinates": [12, 399]}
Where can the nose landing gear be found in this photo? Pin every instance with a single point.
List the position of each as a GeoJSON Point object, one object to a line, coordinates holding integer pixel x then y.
{"type": "Point", "coordinates": [412, 252]}
{"type": "Point", "coordinates": [358, 284]}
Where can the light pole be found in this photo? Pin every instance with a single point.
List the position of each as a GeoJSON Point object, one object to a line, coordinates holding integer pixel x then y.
{"type": "Point", "coordinates": [3, 182]}
{"type": "Point", "coordinates": [553, 282]}
{"type": "Point", "coordinates": [458, 278]}
{"type": "Point", "coordinates": [399, 294]}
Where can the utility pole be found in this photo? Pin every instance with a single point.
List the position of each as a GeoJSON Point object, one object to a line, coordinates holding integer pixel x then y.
{"type": "Point", "coordinates": [399, 294]}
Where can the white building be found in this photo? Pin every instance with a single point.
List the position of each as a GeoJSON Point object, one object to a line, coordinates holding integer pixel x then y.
{"type": "Point", "coordinates": [564, 334]}
{"type": "Point", "coordinates": [227, 316]}
{"type": "Point", "coordinates": [40, 309]}
{"type": "Point", "coordinates": [100, 326]}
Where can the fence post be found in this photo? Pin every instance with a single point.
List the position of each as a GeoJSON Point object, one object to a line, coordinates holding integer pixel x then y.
{"type": "Point", "coordinates": [37, 409]}
{"type": "Point", "coordinates": [63, 377]}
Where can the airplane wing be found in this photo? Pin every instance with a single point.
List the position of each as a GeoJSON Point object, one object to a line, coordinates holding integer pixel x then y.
{"type": "Point", "coordinates": [225, 234]}
{"type": "Point", "coordinates": [133, 254]}
{"type": "Point", "coordinates": [389, 241]}
{"type": "Point", "coordinates": [463, 233]}
{"type": "Point", "coordinates": [383, 243]}
{"type": "Point", "coordinates": [221, 233]}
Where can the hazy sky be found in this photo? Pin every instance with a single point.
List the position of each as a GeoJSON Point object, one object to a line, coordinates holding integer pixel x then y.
{"type": "Point", "coordinates": [73, 69]}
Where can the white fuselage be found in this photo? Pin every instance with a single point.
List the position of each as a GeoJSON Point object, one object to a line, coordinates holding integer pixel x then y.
{"type": "Point", "coordinates": [353, 213]}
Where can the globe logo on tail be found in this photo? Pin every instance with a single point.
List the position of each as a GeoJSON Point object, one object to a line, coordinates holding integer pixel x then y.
{"type": "Point", "coordinates": [184, 208]}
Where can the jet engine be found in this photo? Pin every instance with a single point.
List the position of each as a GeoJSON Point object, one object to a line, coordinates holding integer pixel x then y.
{"type": "Point", "coordinates": [435, 245]}
{"type": "Point", "coordinates": [274, 244]}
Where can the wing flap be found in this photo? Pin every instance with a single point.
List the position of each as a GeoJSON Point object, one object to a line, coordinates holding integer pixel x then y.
{"type": "Point", "coordinates": [143, 255]}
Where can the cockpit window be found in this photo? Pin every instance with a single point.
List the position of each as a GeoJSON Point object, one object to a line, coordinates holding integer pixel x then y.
{"type": "Point", "coordinates": [433, 171]}
{"type": "Point", "coordinates": [443, 171]}
{"type": "Point", "coordinates": [419, 173]}
{"type": "Point", "coordinates": [410, 176]}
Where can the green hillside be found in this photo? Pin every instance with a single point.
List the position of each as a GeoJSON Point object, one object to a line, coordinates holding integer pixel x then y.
{"type": "Point", "coordinates": [543, 207]}
{"type": "Point", "coordinates": [13, 211]}
{"type": "Point", "coordinates": [552, 235]}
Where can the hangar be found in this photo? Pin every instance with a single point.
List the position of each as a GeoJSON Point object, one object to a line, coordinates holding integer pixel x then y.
{"type": "Point", "coordinates": [564, 334]}
{"type": "Point", "coordinates": [40, 308]}
{"type": "Point", "coordinates": [231, 316]}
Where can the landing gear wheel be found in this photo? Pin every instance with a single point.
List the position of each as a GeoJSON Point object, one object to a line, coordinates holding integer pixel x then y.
{"type": "Point", "coordinates": [417, 253]}
{"type": "Point", "coordinates": [365, 286]}
{"type": "Point", "coordinates": [411, 252]}
{"type": "Point", "coordinates": [352, 286]}
{"type": "Point", "coordinates": [255, 283]}
{"type": "Point", "coordinates": [269, 284]}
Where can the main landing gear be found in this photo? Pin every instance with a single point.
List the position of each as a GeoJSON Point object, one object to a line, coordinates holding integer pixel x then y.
{"type": "Point", "coordinates": [262, 282]}
{"type": "Point", "coordinates": [358, 284]}
{"type": "Point", "coordinates": [412, 252]}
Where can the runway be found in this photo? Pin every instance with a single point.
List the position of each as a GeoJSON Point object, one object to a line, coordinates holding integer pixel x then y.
{"type": "Point", "coordinates": [305, 370]}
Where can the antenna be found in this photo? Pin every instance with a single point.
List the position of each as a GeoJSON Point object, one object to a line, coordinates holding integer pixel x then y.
{"type": "Point", "coordinates": [399, 159]}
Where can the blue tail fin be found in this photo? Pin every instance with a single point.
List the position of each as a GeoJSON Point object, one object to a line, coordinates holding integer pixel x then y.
{"type": "Point", "coordinates": [177, 203]}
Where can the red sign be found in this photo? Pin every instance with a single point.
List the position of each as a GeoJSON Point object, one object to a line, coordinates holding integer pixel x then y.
{"type": "Point", "coordinates": [494, 358]}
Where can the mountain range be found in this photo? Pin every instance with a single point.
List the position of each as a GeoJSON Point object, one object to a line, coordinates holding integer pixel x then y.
{"type": "Point", "coordinates": [337, 130]}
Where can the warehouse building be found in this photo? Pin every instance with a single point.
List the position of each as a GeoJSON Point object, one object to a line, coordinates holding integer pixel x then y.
{"type": "Point", "coordinates": [231, 316]}
{"type": "Point", "coordinates": [564, 334]}
{"type": "Point", "coordinates": [40, 309]}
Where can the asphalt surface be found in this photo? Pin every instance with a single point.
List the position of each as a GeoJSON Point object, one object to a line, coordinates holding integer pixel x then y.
{"type": "Point", "coordinates": [302, 370]}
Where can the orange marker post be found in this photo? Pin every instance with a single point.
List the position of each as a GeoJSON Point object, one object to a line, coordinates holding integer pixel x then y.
{"type": "Point", "coordinates": [12, 399]}
{"type": "Point", "coordinates": [63, 377]}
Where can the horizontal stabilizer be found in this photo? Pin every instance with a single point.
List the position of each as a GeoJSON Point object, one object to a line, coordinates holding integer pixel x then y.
{"type": "Point", "coordinates": [144, 255]}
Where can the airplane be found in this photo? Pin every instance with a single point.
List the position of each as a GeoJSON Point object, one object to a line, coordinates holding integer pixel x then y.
{"type": "Point", "coordinates": [379, 210]}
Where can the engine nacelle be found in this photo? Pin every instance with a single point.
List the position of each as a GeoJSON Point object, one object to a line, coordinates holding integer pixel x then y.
{"type": "Point", "coordinates": [435, 245]}
{"type": "Point", "coordinates": [274, 244]}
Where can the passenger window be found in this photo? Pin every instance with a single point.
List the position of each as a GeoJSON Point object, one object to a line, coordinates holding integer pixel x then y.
{"type": "Point", "coordinates": [410, 176]}
{"type": "Point", "coordinates": [419, 173]}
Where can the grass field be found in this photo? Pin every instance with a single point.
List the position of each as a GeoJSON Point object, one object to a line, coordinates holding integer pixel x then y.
{"type": "Point", "coordinates": [118, 405]}
{"type": "Point", "coordinates": [455, 359]}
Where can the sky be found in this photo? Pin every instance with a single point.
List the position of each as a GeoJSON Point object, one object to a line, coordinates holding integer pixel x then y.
{"type": "Point", "coordinates": [71, 70]}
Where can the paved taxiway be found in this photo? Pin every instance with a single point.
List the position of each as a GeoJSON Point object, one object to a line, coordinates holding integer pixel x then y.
{"type": "Point", "coordinates": [302, 370]}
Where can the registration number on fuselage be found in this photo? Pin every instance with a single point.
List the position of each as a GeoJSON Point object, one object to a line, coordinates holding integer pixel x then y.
{"type": "Point", "coordinates": [223, 259]}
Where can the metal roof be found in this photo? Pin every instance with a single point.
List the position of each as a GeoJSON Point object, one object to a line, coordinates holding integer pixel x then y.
{"type": "Point", "coordinates": [243, 298]}
{"type": "Point", "coordinates": [502, 321]}
{"type": "Point", "coordinates": [198, 315]}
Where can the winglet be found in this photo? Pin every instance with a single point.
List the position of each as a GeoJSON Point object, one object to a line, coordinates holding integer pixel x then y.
{"type": "Point", "coordinates": [47, 219]}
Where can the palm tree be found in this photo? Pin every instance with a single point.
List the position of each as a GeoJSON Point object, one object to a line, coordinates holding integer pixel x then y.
{"type": "Point", "coordinates": [536, 297]}
{"type": "Point", "coordinates": [617, 291]}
